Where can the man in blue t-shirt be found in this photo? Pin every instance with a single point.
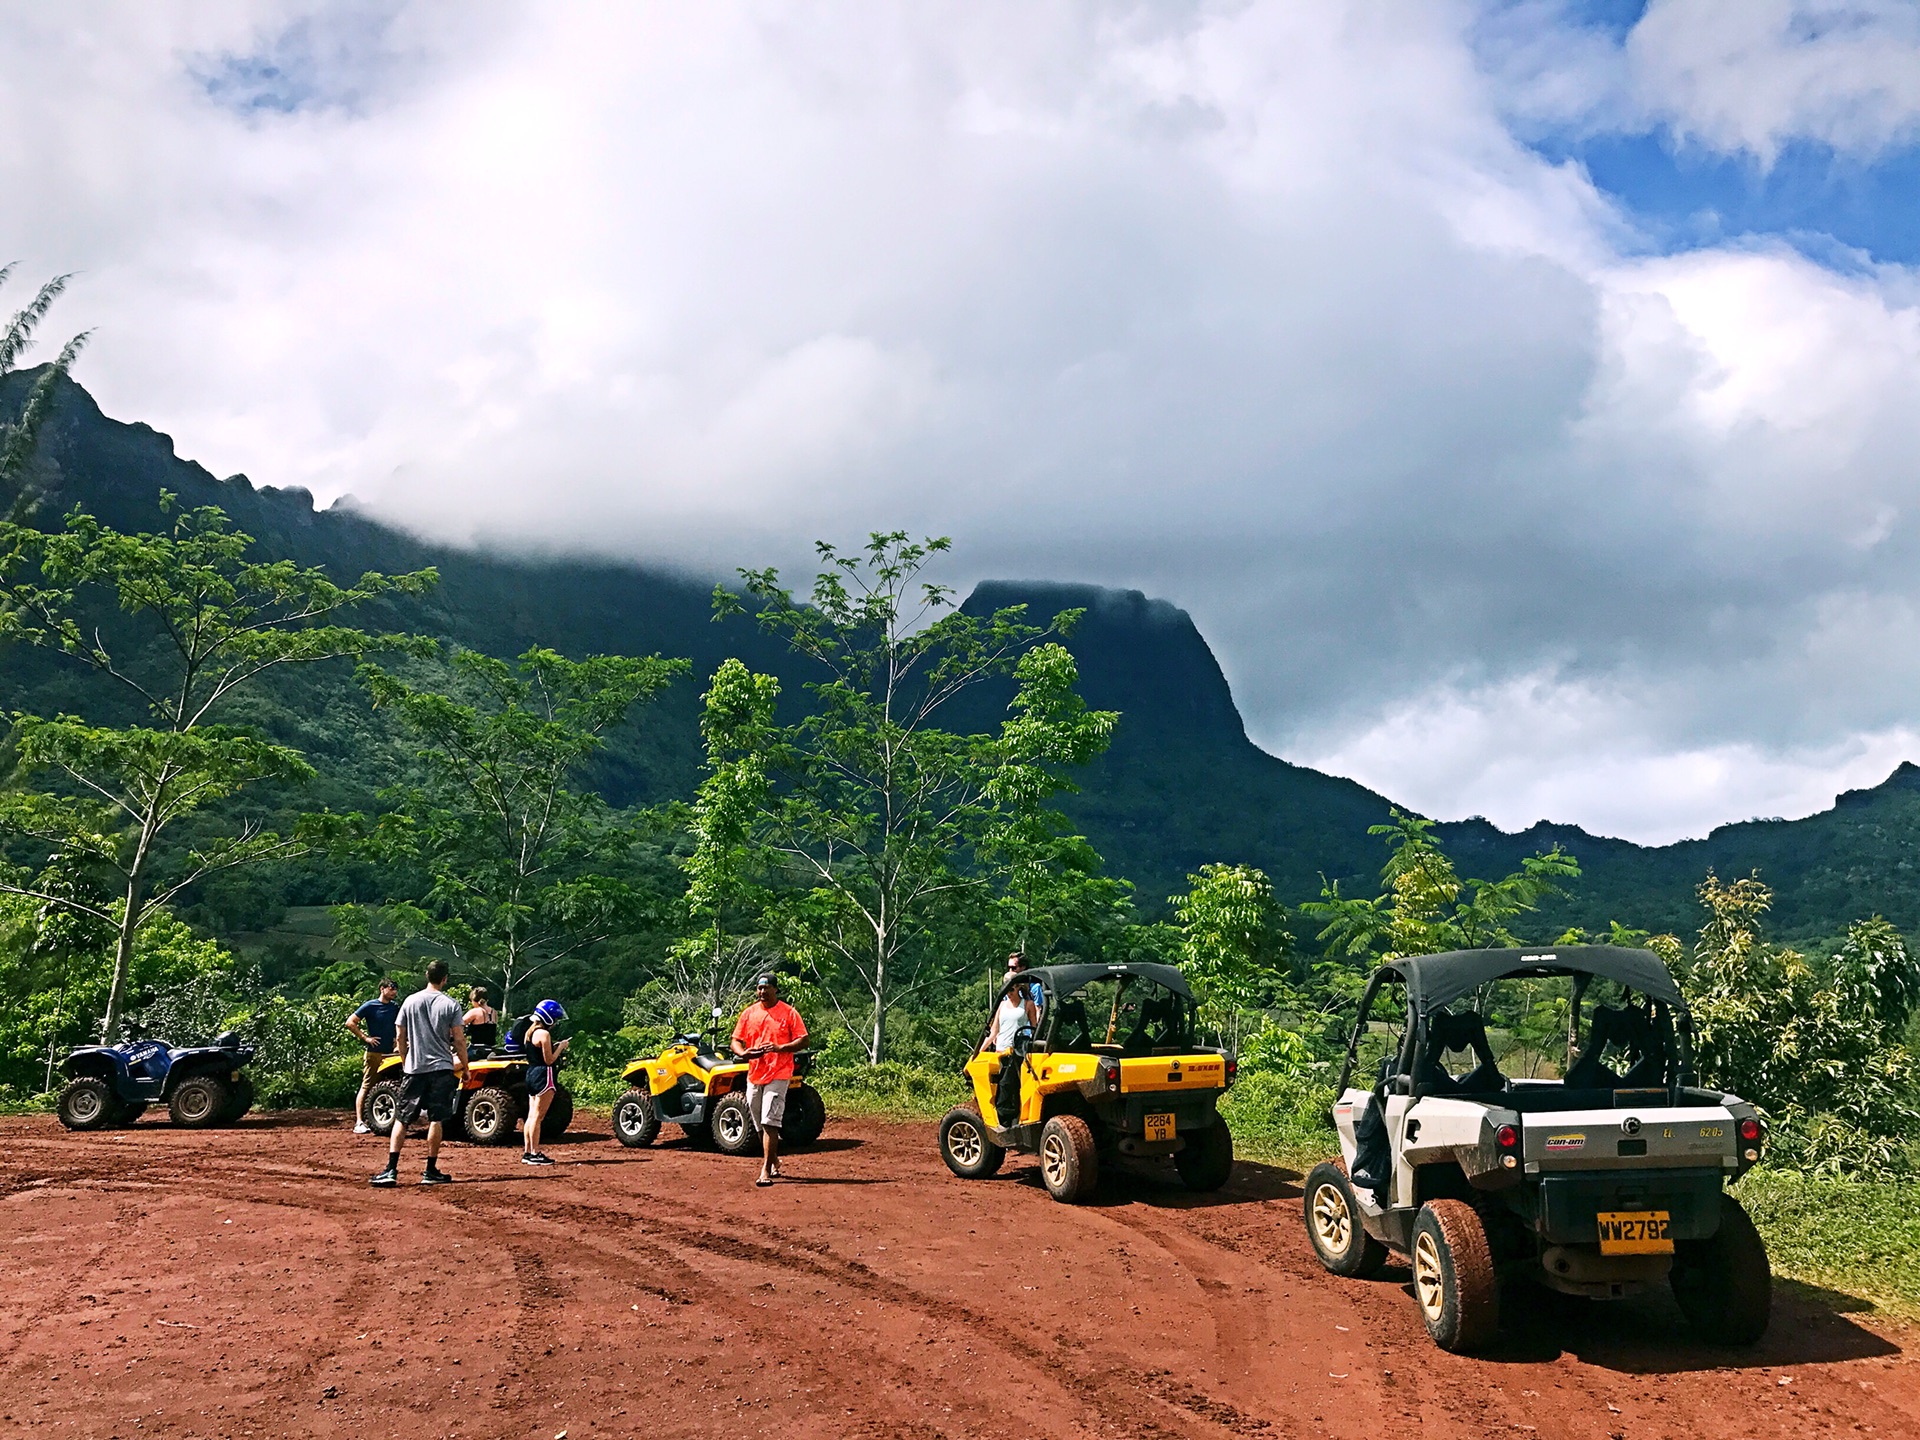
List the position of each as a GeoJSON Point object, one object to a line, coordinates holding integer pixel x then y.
{"type": "Point", "coordinates": [372, 1025]}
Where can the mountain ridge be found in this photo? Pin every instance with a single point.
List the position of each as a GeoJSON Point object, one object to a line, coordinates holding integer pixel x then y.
{"type": "Point", "coordinates": [1182, 785]}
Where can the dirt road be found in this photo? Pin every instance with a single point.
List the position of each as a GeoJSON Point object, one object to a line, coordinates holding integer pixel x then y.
{"type": "Point", "coordinates": [248, 1283]}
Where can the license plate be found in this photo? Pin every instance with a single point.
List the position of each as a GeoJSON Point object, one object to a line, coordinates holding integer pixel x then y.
{"type": "Point", "coordinates": [1159, 1127]}
{"type": "Point", "coordinates": [1635, 1232]}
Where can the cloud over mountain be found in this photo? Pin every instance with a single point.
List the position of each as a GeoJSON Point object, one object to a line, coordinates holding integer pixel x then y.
{"type": "Point", "coordinates": [1273, 309]}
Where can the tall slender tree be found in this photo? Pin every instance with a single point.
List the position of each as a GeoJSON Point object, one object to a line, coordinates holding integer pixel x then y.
{"type": "Point", "coordinates": [877, 812]}
{"type": "Point", "coordinates": [203, 621]}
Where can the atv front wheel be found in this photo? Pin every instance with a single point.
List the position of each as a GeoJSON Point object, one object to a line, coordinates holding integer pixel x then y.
{"type": "Point", "coordinates": [88, 1103]}
{"type": "Point", "coordinates": [559, 1114]}
{"type": "Point", "coordinates": [1334, 1227]}
{"type": "Point", "coordinates": [1069, 1162]}
{"type": "Point", "coordinates": [965, 1146]}
{"type": "Point", "coordinates": [806, 1118]}
{"type": "Point", "coordinates": [198, 1101]}
{"type": "Point", "coordinates": [490, 1116]}
{"type": "Point", "coordinates": [700, 1134]}
{"type": "Point", "coordinates": [734, 1132]}
{"type": "Point", "coordinates": [1724, 1283]}
{"type": "Point", "coordinates": [1206, 1162]}
{"type": "Point", "coordinates": [126, 1112]}
{"type": "Point", "coordinates": [1453, 1276]}
{"type": "Point", "coordinates": [383, 1106]}
{"type": "Point", "coordinates": [636, 1123]}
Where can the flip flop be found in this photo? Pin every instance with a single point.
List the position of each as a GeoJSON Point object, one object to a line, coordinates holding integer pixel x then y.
{"type": "Point", "coordinates": [762, 1182]}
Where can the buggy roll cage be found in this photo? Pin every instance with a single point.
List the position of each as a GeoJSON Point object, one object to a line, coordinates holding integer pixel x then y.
{"type": "Point", "coordinates": [1059, 983]}
{"type": "Point", "coordinates": [1433, 981]}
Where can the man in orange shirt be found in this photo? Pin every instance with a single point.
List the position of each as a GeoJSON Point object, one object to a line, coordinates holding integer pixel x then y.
{"type": "Point", "coordinates": [768, 1032]}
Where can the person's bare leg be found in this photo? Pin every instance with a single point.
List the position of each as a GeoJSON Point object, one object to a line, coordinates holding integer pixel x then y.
{"type": "Point", "coordinates": [536, 1112]}
{"type": "Point", "coordinates": [360, 1105]}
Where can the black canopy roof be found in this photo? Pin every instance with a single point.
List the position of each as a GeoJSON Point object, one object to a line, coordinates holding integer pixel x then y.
{"type": "Point", "coordinates": [1436, 980]}
{"type": "Point", "coordinates": [1063, 980]}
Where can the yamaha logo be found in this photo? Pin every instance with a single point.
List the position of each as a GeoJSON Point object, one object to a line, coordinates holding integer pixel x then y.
{"type": "Point", "coordinates": [1631, 1124]}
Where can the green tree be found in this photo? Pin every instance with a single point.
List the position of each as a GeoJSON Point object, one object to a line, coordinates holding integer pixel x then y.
{"type": "Point", "coordinates": [1817, 1047]}
{"type": "Point", "coordinates": [517, 866]}
{"type": "Point", "coordinates": [1427, 908]}
{"type": "Point", "coordinates": [204, 622]}
{"type": "Point", "coordinates": [725, 868]}
{"type": "Point", "coordinates": [1234, 944]}
{"type": "Point", "coordinates": [878, 813]}
{"type": "Point", "coordinates": [18, 437]}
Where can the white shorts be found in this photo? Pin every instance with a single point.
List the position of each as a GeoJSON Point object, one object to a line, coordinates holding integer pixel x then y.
{"type": "Point", "coordinates": [767, 1103]}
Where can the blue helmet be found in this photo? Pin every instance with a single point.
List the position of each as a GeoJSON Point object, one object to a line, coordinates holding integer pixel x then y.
{"type": "Point", "coordinates": [549, 1012]}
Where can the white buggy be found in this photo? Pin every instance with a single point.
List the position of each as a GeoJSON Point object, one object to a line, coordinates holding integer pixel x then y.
{"type": "Point", "coordinates": [1598, 1166]}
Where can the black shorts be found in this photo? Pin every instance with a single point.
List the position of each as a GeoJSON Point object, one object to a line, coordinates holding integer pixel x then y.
{"type": "Point", "coordinates": [539, 1079]}
{"type": "Point", "coordinates": [431, 1091]}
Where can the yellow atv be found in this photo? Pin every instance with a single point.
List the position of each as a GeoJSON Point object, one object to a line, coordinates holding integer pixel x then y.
{"type": "Point", "coordinates": [705, 1094]}
{"type": "Point", "coordinates": [1113, 1070]}
{"type": "Point", "coordinates": [490, 1104]}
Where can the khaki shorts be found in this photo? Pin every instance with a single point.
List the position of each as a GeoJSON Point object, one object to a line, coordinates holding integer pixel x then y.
{"type": "Point", "coordinates": [370, 1065]}
{"type": "Point", "coordinates": [767, 1103]}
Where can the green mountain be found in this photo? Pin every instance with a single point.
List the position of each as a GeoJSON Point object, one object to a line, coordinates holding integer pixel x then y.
{"type": "Point", "coordinates": [1182, 784]}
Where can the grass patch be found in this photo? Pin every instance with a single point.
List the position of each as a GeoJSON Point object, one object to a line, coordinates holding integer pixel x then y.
{"type": "Point", "coordinates": [1858, 1236]}
{"type": "Point", "coordinates": [890, 1091]}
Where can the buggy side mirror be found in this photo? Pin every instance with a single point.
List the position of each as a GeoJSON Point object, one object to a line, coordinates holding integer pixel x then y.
{"type": "Point", "coordinates": [1400, 1085]}
{"type": "Point", "coordinates": [717, 1012]}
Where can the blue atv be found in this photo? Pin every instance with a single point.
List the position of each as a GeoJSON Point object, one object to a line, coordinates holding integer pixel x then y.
{"type": "Point", "coordinates": [200, 1085]}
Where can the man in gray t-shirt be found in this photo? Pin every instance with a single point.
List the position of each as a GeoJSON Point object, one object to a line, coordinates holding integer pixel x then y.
{"type": "Point", "coordinates": [432, 1044]}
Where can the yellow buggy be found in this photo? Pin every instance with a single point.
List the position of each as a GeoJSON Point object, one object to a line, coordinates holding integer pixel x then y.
{"type": "Point", "coordinates": [1114, 1069]}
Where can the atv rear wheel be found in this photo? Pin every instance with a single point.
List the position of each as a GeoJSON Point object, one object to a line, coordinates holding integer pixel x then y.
{"type": "Point", "coordinates": [734, 1132]}
{"type": "Point", "coordinates": [636, 1123]}
{"type": "Point", "coordinates": [490, 1116]}
{"type": "Point", "coordinates": [1069, 1161]}
{"type": "Point", "coordinates": [1724, 1283]}
{"type": "Point", "coordinates": [1453, 1276]}
{"type": "Point", "coordinates": [1205, 1163]}
{"type": "Point", "coordinates": [239, 1100]}
{"type": "Point", "coordinates": [87, 1103]}
{"type": "Point", "coordinates": [383, 1106]}
{"type": "Point", "coordinates": [1334, 1227]}
{"type": "Point", "coordinates": [198, 1101]}
{"type": "Point", "coordinates": [964, 1144]}
{"type": "Point", "coordinates": [806, 1117]}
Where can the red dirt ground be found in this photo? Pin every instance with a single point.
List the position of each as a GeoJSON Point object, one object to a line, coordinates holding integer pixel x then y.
{"type": "Point", "coordinates": [247, 1282]}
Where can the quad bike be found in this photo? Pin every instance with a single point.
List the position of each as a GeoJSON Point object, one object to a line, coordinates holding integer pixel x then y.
{"type": "Point", "coordinates": [1601, 1180]}
{"type": "Point", "coordinates": [705, 1093]}
{"type": "Point", "coordinates": [200, 1085]}
{"type": "Point", "coordinates": [490, 1104]}
{"type": "Point", "coordinates": [1124, 1077]}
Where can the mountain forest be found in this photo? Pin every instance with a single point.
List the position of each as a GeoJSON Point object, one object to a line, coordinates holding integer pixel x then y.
{"type": "Point", "coordinates": [260, 754]}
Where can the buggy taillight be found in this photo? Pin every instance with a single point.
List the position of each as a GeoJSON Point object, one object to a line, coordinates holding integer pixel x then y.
{"type": "Point", "coordinates": [1506, 1137]}
{"type": "Point", "coordinates": [1109, 1072]}
{"type": "Point", "coordinates": [1233, 1068]}
{"type": "Point", "coordinates": [1750, 1130]}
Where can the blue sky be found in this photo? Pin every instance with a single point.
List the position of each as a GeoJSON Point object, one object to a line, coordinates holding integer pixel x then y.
{"type": "Point", "coordinates": [1523, 396]}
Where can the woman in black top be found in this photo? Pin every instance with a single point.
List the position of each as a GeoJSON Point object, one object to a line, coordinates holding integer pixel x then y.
{"type": "Point", "coordinates": [543, 1060]}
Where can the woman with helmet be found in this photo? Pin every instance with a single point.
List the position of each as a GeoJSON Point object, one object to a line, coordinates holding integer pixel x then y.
{"type": "Point", "coordinates": [543, 1058]}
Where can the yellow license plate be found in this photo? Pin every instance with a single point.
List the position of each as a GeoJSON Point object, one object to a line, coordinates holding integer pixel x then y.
{"type": "Point", "coordinates": [1159, 1127]}
{"type": "Point", "coordinates": [1635, 1232]}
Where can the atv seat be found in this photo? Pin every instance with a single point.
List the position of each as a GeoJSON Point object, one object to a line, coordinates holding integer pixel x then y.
{"type": "Point", "coordinates": [1448, 1032]}
{"type": "Point", "coordinates": [1629, 1030]}
{"type": "Point", "coordinates": [707, 1060]}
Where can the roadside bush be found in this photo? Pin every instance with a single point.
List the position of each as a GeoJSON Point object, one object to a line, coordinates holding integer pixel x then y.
{"type": "Point", "coordinates": [1817, 1048]}
{"type": "Point", "coordinates": [1860, 1236]}
{"type": "Point", "coordinates": [1281, 1116]}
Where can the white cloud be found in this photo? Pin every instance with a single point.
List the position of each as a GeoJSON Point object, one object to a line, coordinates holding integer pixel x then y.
{"type": "Point", "coordinates": [1735, 76]}
{"type": "Point", "coordinates": [1257, 306]}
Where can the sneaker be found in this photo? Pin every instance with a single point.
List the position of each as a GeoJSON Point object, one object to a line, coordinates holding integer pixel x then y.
{"type": "Point", "coordinates": [388, 1176]}
{"type": "Point", "coordinates": [535, 1158]}
{"type": "Point", "coordinates": [361, 1127]}
{"type": "Point", "coordinates": [436, 1176]}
